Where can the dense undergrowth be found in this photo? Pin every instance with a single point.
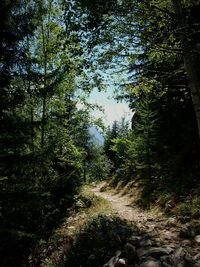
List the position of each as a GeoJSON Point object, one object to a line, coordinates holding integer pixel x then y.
{"type": "Point", "coordinates": [97, 241]}
{"type": "Point", "coordinates": [29, 227]}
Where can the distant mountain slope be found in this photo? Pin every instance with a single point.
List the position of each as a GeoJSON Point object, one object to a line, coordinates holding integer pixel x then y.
{"type": "Point", "coordinates": [96, 135]}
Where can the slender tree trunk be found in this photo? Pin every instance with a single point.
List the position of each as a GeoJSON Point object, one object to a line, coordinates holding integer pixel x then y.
{"type": "Point", "coordinates": [193, 73]}
{"type": "Point", "coordinates": [44, 92]}
{"type": "Point", "coordinates": [32, 128]}
{"type": "Point", "coordinates": [191, 59]}
{"type": "Point", "coordinates": [43, 120]}
{"type": "Point", "coordinates": [31, 115]}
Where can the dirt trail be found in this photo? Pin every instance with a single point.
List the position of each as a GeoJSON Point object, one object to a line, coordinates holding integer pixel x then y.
{"type": "Point", "coordinates": [164, 230]}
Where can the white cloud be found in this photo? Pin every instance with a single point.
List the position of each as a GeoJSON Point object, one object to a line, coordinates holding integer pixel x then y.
{"type": "Point", "coordinates": [113, 111]}
{"type": "Point", "coordinates": [116, 112]}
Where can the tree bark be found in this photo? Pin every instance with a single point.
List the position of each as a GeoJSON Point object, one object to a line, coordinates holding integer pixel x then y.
{"type": "Point", "coordinates": [192, 70]}
{"type": "Point", "coordinates": [190, 57]}
{"type": "Point", "coordinates": [44, 92]}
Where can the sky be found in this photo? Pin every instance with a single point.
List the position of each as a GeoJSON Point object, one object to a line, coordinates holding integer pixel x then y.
{"type": "Point", "coordinates": [113, 110]}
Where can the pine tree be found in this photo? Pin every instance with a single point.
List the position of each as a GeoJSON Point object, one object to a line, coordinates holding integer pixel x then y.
{"type": "Point", "coordinates": [144, 129]}
{"type": "Point", "coordinates": [41, 160]}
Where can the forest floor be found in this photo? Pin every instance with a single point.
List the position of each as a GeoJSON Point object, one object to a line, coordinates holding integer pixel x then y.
{"type": "Point", "coordinates": [162, 229]}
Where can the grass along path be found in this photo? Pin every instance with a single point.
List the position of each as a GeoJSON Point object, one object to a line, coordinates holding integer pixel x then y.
{"type": "Point", "coordinates": [86, 207]}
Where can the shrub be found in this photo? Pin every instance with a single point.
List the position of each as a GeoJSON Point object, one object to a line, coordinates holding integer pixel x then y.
{"type": "Point", "coordinates": [98, 241]}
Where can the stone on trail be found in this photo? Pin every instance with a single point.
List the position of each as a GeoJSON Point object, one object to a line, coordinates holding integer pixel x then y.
{"type": "Point", "coordinates": [178, 255]}
{"type": "Point", "coordinates": [150, 263]}
{"type": "Point", "coordinates": [113, 261]}
{"type": "Point", "coordinates": [179, 252]}
{"type": "Point", "coordinates": [145, 242]}
{"type": "Point", "coordinates": [197, 238]}
{"type": "Point", "coordinates": [186, 232]}
{"type": "Point", "coordinates": [134, 240]}
{"type": "Point", "coordinates": [130, 252]}
{"type": "Point", "coordinates": [155, 252]}
{"type": "Point", "coordinates": [197, 257]}
{"type": "Point", "coordinates": [171, 222]}
{"type": "Point", "coordinates": [166, 261]}
{"type": "Point", "coordinates": [121, 263]}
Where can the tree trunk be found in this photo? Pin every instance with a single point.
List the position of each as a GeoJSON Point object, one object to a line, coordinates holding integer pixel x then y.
{"type": "Point", "coordinates": [45, 84]}
{"type": "Point", "coordinates": [32, 128]}
{"type": "Point", "coordinates": [43, 120]}
{"type": "Point", "coordinates": [190, 57]}
{"type": "Point", "coordinates": [192, 70]}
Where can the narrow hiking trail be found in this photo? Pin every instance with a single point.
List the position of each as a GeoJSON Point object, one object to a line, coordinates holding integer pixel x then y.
{"type": "Point", "coordinates": [162, 229]}
{"type": "Point", "coordinates": [156, 234]}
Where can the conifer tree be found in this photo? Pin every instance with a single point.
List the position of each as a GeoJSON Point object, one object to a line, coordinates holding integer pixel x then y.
{"type": "Point", "coordinates": [145, 131]}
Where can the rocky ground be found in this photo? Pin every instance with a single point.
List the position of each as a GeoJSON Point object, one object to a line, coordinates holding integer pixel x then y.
{"type": "Point", "coordinates": [166, 241]}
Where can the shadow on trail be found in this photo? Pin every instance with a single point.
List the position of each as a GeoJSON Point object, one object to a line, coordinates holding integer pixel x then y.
{"type": "Point", "coordinates": [98, 241]}
{"type": "Point", "coordinates": [112, 242]}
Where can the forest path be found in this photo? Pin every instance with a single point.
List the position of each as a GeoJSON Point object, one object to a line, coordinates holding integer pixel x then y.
{"type": "Point", "coordinates": [162, 229]}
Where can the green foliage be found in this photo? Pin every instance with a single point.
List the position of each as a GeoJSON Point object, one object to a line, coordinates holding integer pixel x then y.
{"type": "Point", "coordinates": [162, 58]}
{"type": "Point", "coordinates": [189, 209]}
{"type": "Point", "coordinates": [45, 148]}
{"type": "Point", "coordinates": [121, 147]}
{"type": "Point", "coordinates": [48, 263]}
{"type": "Point", "coordinates": [99, 166]}
{"type": "Point", "coordinates": [98, 241]}
{"type": "Point", "coordinates": [135, 150]}
{"type": "Point", "coordinates": [144, 130]}
{"type": "Point", "coordinates": [113, 135]}
{"type": "Point", "coordinates": [41, 144]}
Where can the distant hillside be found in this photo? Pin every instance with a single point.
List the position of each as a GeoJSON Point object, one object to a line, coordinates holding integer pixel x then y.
{"type": "Point", "coordinates": [96, 135]}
